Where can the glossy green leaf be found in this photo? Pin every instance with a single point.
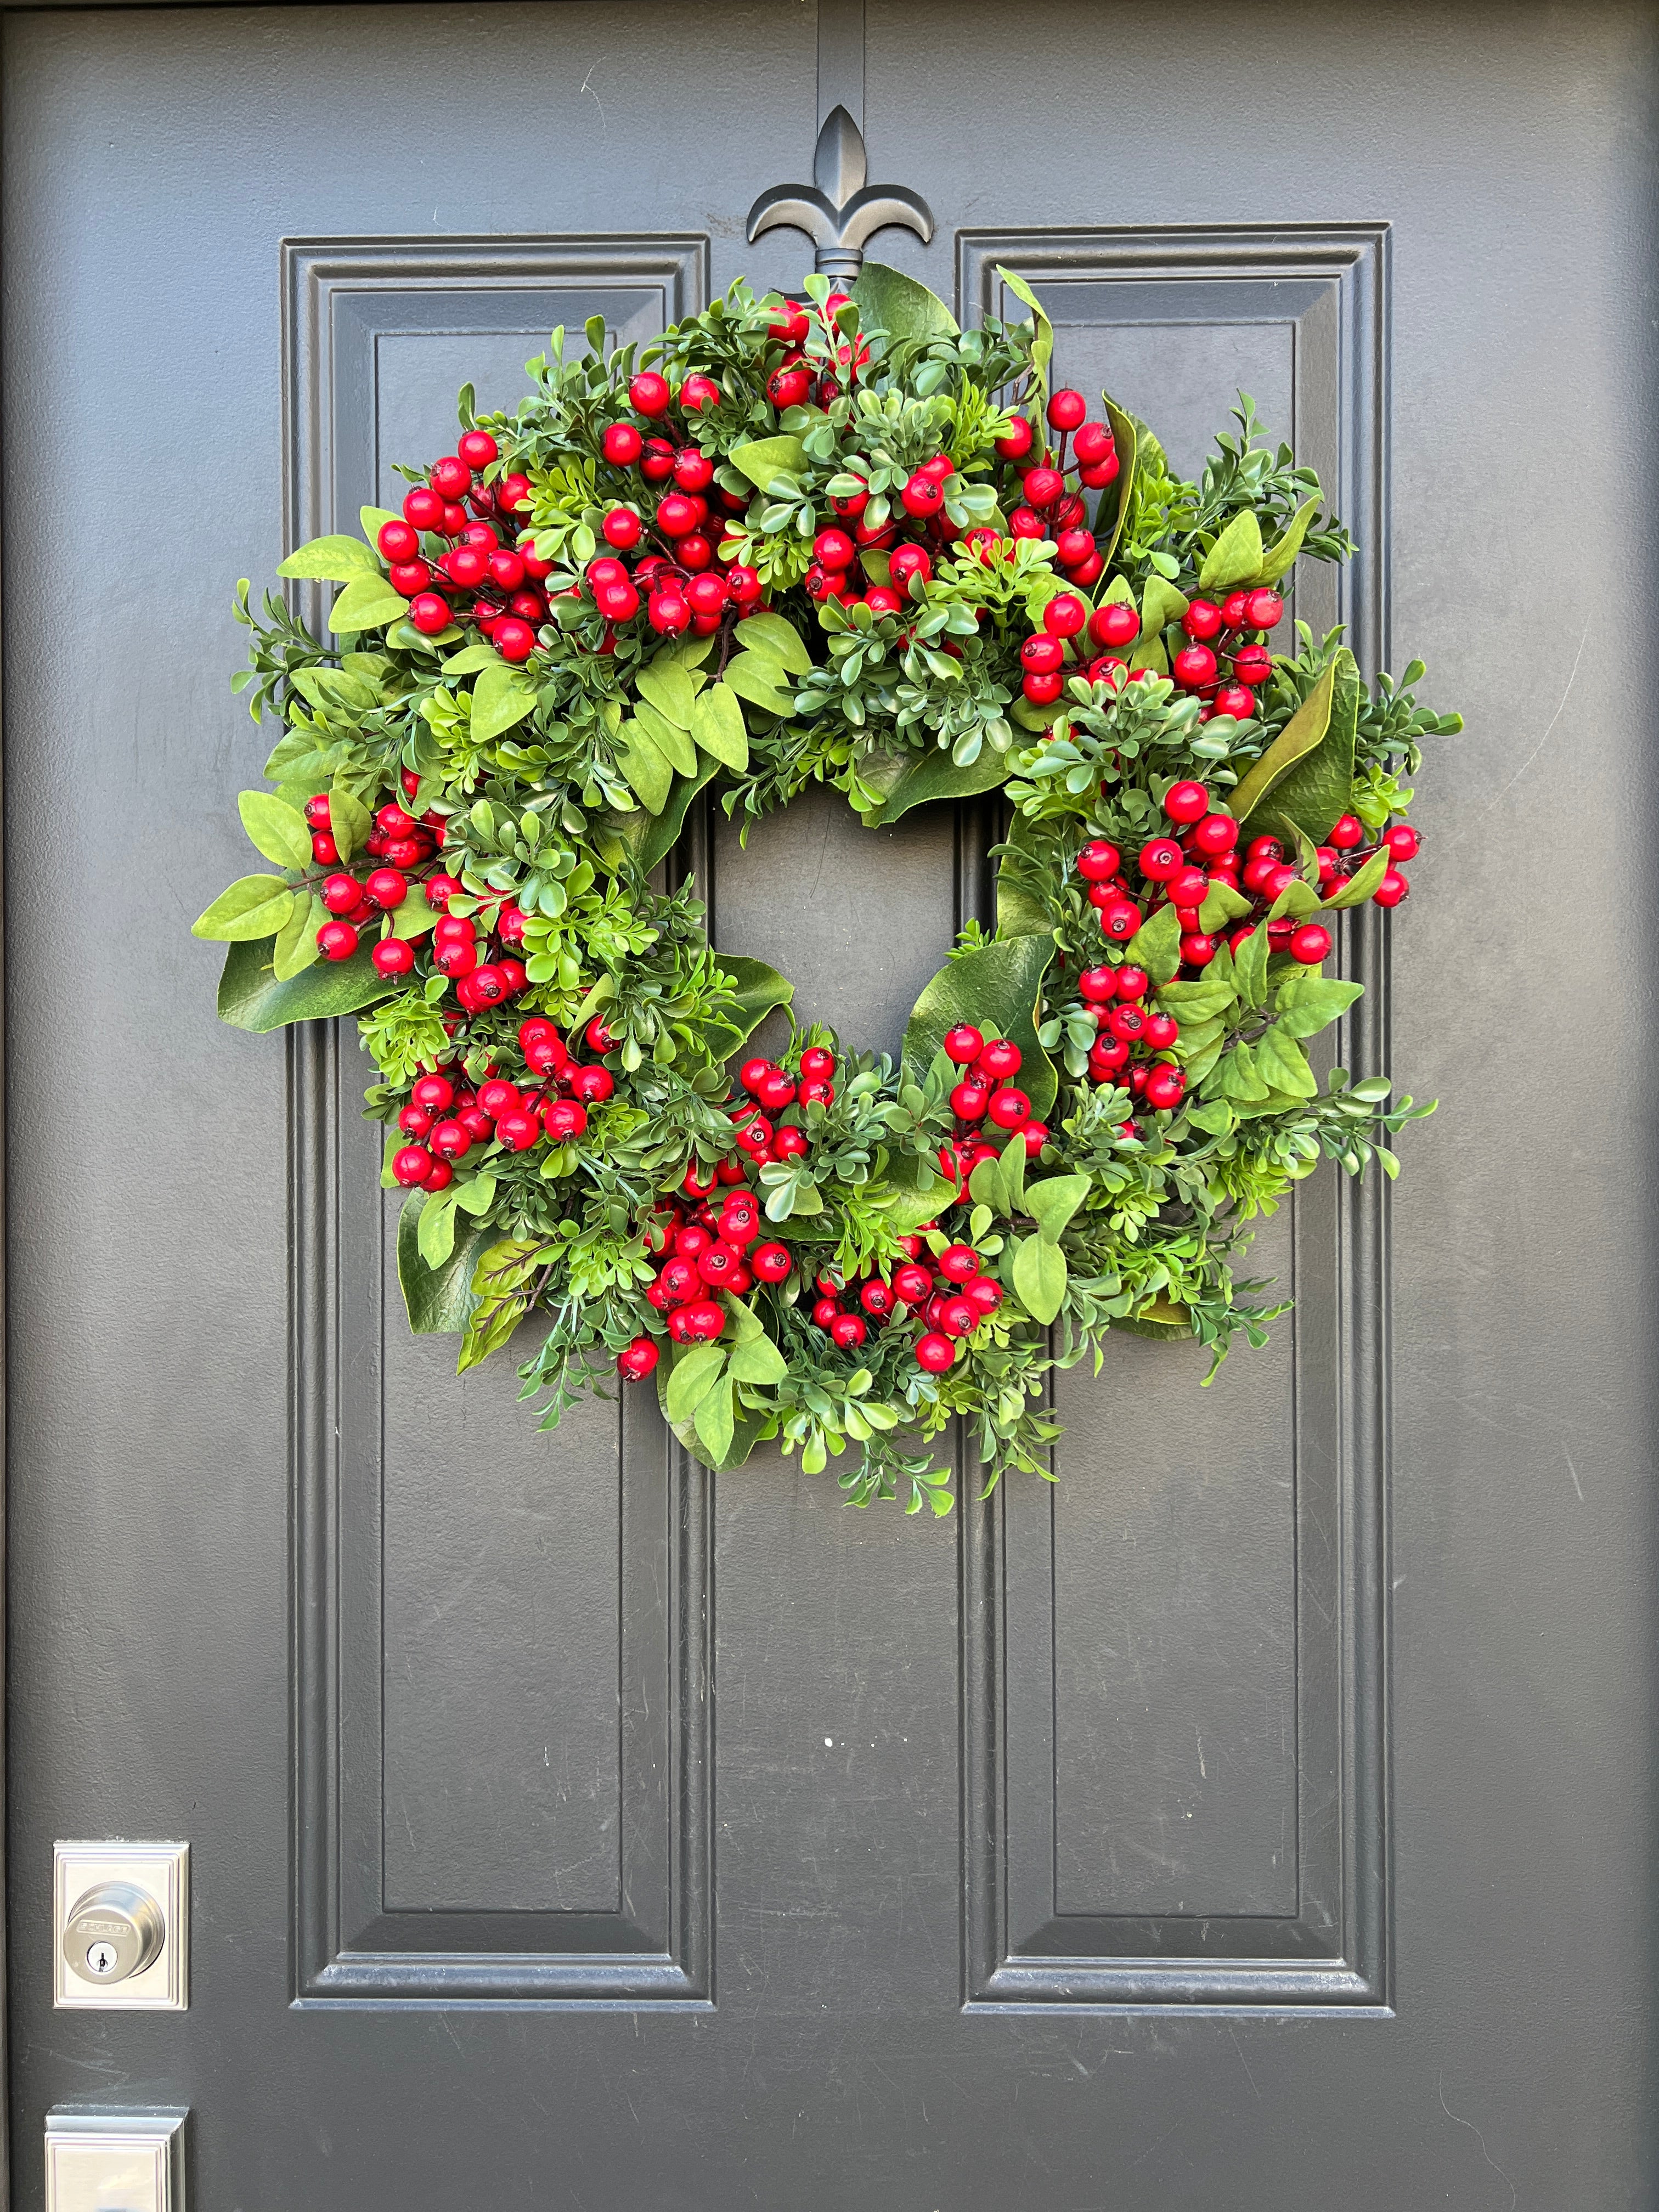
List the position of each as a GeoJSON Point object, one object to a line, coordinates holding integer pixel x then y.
{"type": "Point", "coordinates": [763, 459]}
{"type": "Point", "coordinates": [672, 742]}
{"type": "Point", "coordinates": [333, 561]}
{"type": "Point", "coordinates": [439, 1301]}
{"type": "Point", "coordinates": [1039, 1278]}
{"type": "Point", "coordinates": [717, 724]}
{"type": "Point", "coordinates": [366, 602]}
{"type": "Point", "coordinates": [910, 779]}
{"type": "Point", "coordinates": [500, 697]}
{"type": "Point", "coordinates": [435, 1234]}
{"type": "Point", "coordinates": [995, 987]}
{"type": "Point", "coordinates": [1235, 559]}
{"type": "Point", "coordinates": [1155, 945]}
{"type": "Point", "coordinates": [1304, 730]}
{"type": "Point", "coordinates": [778, 640]}
{"type": "Point", "coordinates": [760, 988]}
{"type": "Point", "coordinates": [251, 998]}
{"type": "Point", "coordinates": [892, 301]}
{"type": "Point", "coordinates": [295, 947]}
{"type": "Point", "coordinates": [1319, 788]}
{"type": "Point", "coordinates": [1019, 914]}
{"type": "Point", "coordinates": [1309, 1003]}
{"type": "Point", "coordinates": [1277, 559]}
{"type": "Point", "coordinates": [251, 907]}
{"type": "Point", "coordinates": [1113, 509]}
{"type": "Point", "coordinates": [1043, 350]}
{"type": "Point", "coordinates": [280, 831]}
{"type": "Point", "coordinates": [1361, 887]}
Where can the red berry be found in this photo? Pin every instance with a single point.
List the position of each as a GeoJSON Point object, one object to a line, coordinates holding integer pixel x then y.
{"type": "Point", "coordinates": [1202, 621]}
{"type": "Point", "coordinates": [834, 548]}
{"type": "Point", "coordinates": [1043, 488]}
{"type": "Point", "coordinates": [341, 893]}
{"type": "Point", "coordinates": [1346, 831]}
{"type": "Point", "coordinates": [412, 1164]}
{"type": "Point", "coordinates": [912, 1283]}
{"type": "Point", "coordinates": [1010, 1108]}
{"type": "Point", "coordinates": [1164, 1086]}
{"type": "Point", "coordinates": [698, 392]}
{"type": "Point", "coordinates": [959, 1317]}
{"type": "Point", "coordinates": [592, 1085]}
{"type": "Point", "coordinates": [825, 1309]}
{"type": "Point", "coordinates": [1016, 440]}
{"type": "Point", "coordinates": [1096, 985]}
{"type": "Point", "coordinates": [337, 940]}
{"type": "Point", "coordinates": [1389, 892]}
{"type": "Point", "coordinates": [1252, 665]}
{"type": "Point", "coordinates": [1197, 950]}
{"type": "Point", "coordinates": [392, 957]}
{"type": "Point", "coordinates": [1000, 1059]}
{"type": "Point", "coordinates": [1093, 444]}
{"type": "Point", "coordinates": [478, 449]}
{"type": "Point", "coordinates": [969, 1100]}
{"type": "Point", "coordinates": [816, 1065]}
{"type": "Point", "coordinates": [958, 1263]}
{"type": "Point", "coordinates": [703, 1320]}
{"type": "Point", "coordinates": [1187, 887]}
{"type": "Point", "coordinates": [1133, 982]}
{"type": "Point", "coordinates": [1065, 615]}
{"type": "Point", "coordinates": [788, 386]}
{"type": "Point", "coordinates": [923, 496]}
{"type": "Point", "coordinates": [649, 394]}
{"type": "Point", "coordinates": [435, 1092]}
{"type": "Point", "coordinates": [934, 1353]}
{"type": "Point", "coordinates": [1126, 1021]}
{"type": "Point", "coordinates": [963, 1044]}
{"type": "Point", "coordinates": [1114, 624]}
{"type": "Point", "coordinates": [639, 1359]}
{"type": "Point", "coordinates": [848, 1330]}
{"type": "Point", "coordinates": [909, 562]}
{"type": "Point", "coordinates": [565, 1118]}
{"type": "Point", "coordinates": [621, 445]}
{"type": "Point", "coordinates": [387, 887]}
{"type": "Point", "coordinates": [450, 477]}
{"type": "Point", "coordinates": [1160, 860]}
{"type": "Point", "coordinates": [753, 1074]}
{"type": "Point", "coordinates": [1193, 666]}
{"type": "Point", "coordinates": [1264, 609]}
{"type": "Point", "coordinates": [1119, 919]}
{"type": "Point", "coordinates": [1042, 690]}
{"type": "Point", "coordinates": [771, 1263]}
{"type": "Point", "coordinates": [428, 613]}
{"type": "Point", "coordinates": [1098, 862]}
{"type": "Point", "coordinates": [1042, 653]}
{"type": "Point", "coordinates": [623, 528]}
{"type": "Point", "coordinates": [1186, 802]}
{"type": "Point", "coordinates": [424, 509]}
{"type": "Point", "coordinates": [668, 611]}
{"type": "Point", "coordinates": [1402, 842]}
{"type": "Point", "coordinates": [1234, 700]}
{"type": "Point", "coordinates": [1216, 834]}
{"type": "Point", "coordinates": [1067, 410]}
{"type": "Point", "coordinates": [399, 542]}
{"type": "Point", "coordinates": [1310, 944]}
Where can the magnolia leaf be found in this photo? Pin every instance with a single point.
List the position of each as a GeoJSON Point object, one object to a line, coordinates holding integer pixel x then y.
{"type": "Point", "coordinates": [250, 996]}
{"type": "Point", "coordinates": [753, 677]}
{"type": "Point", "coordinates": [1155, 945]}
{"type": "Point", "coordinates": [1052, 1202]}
{"type": "Point", "coordinates": [1113, 509]}
{"type": "Point", "coordinates": [1319, 788]}
{"type": "Point", "coordinates": [658, 836]}
{"type": "Point", "coordinates": [366, 602]}
{"type": "Point", "coordinates": [759, 989]}
{"type": "Point", "coordinates": [1222, 904]}
{"type": "Point", "coordinates": [892, 301]}
{"type": "Point", "coordinates": [673, 743]}
{"type": "Point", "coordinates": [1280, 555]}
{"type": "Point", "coordinates": [914, 780]}
{"type": "Point", "coordinates": [778, 639]}
{"type": "Point", "coordinates": [1235, 559]}
{"type": "Point", "coordinates": [1158, 1318]}
{"type": "Point", "coordinates": [667, 683]}
{"type": "Point", "coordinates": [439, 1300]}
{"type": "Point", "coordinates": [296, 946]}
{"type": "Point", "coordinates": [763, 459]}
{"type": "Point", "coordinates": [1043, 347]}
{"type": "Point", "coordinates": [334, 561]}
{"type": "Point", "coordinates": [1309, 1003]}
{"type": "Point", "coordinates": [1019, 913]}
{"type": "Point", "coordinates": [500, 698]}
{"type": "Point", "coordinates": [1283, 1066]}
{"type": "Point", "coordinates": [1304, 730]}
{"type": "Point", "coordinates": [647, 772]}
{"type": "Point", "coordinates": [758, 1361]}
{"type": "Point", "coordinates": [994, 986]}
{"type": "Point", "coordinates": [349, 821]}
{"type": "Point", "coordinates": [1039, 1278]}
{"type": "Point", "coordinates": [695, 1373]}
{"type": "Point", "coordinates": [1361, 887]}
{"type": "Point", "coordinates": [717, 724]}
{"type": "Point", "coordinates": [253, 907]}
{"type": "Point", "coordinates": [280, 831]}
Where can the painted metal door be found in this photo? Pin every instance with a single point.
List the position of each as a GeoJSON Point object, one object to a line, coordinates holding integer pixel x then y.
{"type": "Point", "coordinates": [1263, 1816]}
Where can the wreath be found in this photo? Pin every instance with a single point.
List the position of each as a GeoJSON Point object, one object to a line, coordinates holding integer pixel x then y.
{"type": "Point", "coordinates": [840, 541]}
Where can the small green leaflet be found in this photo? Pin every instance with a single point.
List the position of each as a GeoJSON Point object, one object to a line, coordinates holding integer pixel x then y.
{"type": "Point", "coordinates": [763, 459]}
{"type": "Point", "coordinates": [1280, 555]}
{"type": "Point", "coordinates": [1052, 1202]}
{"type": "Point", "coordinates": [1361, 886]}
{"type": "Point", "coordinates": [715, 1419]}
{"type": "Point", "coordinates": [649, 774]}
{"type": "Point", "coordinates": [279, 830]}
{"type": "Point", "coordinates": [1039, 1278]}
{"type": "Point", "coordinates": [296, 946]}
{"type": "Point", "coordinates": [368, 603]}
{"type": "Point", "coordinates": [252, 908]}
{"type": "Point", "coordinates": [349, 821]}
{"type": "Point", "coordinates": [1250, 966]}
{"type": "Point", "coordinates": [375, 519]}
{"type": "Point", "coordinates": [334, 561]}
{"type": "Point", "coordinates": [1043, 349]}
{"type": "Point", "coordinates": [500, 698]}
{"type": "Point", "coordinates": [414, 917]}
{"type": "Point", "coordinates": [1222, 904]}
{"type": "Point", "coordinates": [717, 724]}
{"type": "Point", "coordinates": [758, 1361]}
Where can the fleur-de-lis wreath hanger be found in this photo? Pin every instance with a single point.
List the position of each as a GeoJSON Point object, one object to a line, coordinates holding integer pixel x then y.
{"type": "Point", "coordinates": [839, 211]}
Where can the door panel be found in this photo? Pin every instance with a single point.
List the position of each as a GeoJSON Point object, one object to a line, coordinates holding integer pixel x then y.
{"type": "Point", "coordinates": [568, 1829]}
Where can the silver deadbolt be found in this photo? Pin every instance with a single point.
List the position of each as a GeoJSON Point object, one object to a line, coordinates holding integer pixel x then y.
{"type": "Point", "coordinates": [114, 1931]}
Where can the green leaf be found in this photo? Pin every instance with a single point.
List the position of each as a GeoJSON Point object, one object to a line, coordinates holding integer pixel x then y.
{"type": "Point", "coordinates": [439, 1301]}
{"type": "Point", "coordinates": [435, 1234]}
{"type": "Point", "coordinates": [1222, 904]}
{"type": "Point", "coordinates": [1191, 1003]}
{"type": "Point", "coordinates": [695, 1374]}
{"type": "Point", "coordinates": [758, 1361]}
{"type": "Point", "coordinates": [995, 987]}
{"type": "Point", "coordinates": [1297, 898]}
{"type": "Point", "coordinates": [911, 780]}
{"type": "Point", "coordinates": [759, 989]}
{"type": "Point", "coordinates": [667, 683]}
{"type": "Point", "coordinates": [1158, 1318]}
{"type": "Point", "coordinates": [660, 835]}
{"type": "Point", "coordinates": [373, 517]}
{"type": "Point", "coordinates": [647, 772]}
{"type": "Point", "coordinates": [414, 917]}
{"type": "Point", "coordinates": [778, 640]}
{"type": "Point", "coordinates": [1304, 730]}
{"type": "Point", "coordinates": [1039, 1278]}
{"type": "Point", "coordinates": [1235, 559]}
{"type": "Point", "coordinates": [1309, 1003]}
{"type": "Point", "coordinates": [673, 743]}
{"type": "Point", "coordinates": [349, 821]}
{"type": "Point", "coordinates": [1113, 509]}
{"type": "Point", "coordinates": [753, 677]}
{"type": "Point", "coordinates": [253, 906]}
{"type": "Point", "coordinates": [898, 305]}
{"type": "Point", "coordinates": [500, 698]}
{"type": "Point", "coordinates": [1277, 560]}
{"type": "Point", "coordinates": [763, 459]}
{"type": "Point", "coordinates": [1283, 1066]}
{"type": "Point", "coordinates": [1043, 349]}
{"type": "Point", "coordinates": [296, 946]}
{"type": "Point", "coordinates": [1250, 966]}
{"type": "Point", "coordinates": [1320, 786]}
{"type": "Point", "coordinates": [1360, 887]}
{"type": "Point", "coordinates": [717, 724]}
{"type": "Point", "coordinates": [1052, 1202]}
{"type": "Point", "coordinates": [1235, 1076]}
{"type": "Point", "coordinates": [251, 998]}
{"type": "Point", "coordinates": [368, 603]}
{"type": "Point", "coordinates": [985, 1186]}
{"type": "Point", "coordinates": [334, 561]}
{"type": "Point", "coordinates": [1155, 945]}
{"type": "Point", "coordinates": [715, 1420]}
{"type": "Point", "coordinates": [1019, 913]}
{"type": "Point", "coordinates": [279, 830]}
{"type": "Point", "coordinates": [1160, 605]}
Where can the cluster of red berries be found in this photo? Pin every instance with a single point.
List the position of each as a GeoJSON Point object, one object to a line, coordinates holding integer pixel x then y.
{"type": "Point", "coordinates": [952, 1298]}
{"type": "Point", "coordinates": [479, 570]}
{"type": "Point", "coordinates": [1074, 642]}
{"type": "Point", "coordinates": [1135, 1040]}
{"type": "Point", "coordinates": [445, 1117]}
{"type": "Point", "coordinates": [401, 845]}
{"type": "Point", "coordinates": [985, 1096]}
{"type": "Point", "coordinates": [1052, 484]}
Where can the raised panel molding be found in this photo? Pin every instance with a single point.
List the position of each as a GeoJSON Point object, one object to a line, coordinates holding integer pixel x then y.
{"type": "Point", "coordinates": [1021, 1948]}
{"type": "Point", "coordinates": [352, 1942]}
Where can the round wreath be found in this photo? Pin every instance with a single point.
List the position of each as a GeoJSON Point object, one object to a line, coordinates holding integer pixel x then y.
{"type": "Point", "coordinates": [841, 542]}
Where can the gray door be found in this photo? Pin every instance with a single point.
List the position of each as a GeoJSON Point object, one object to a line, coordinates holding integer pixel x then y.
{"type": "Point", "coordinates": [1260, 1818]}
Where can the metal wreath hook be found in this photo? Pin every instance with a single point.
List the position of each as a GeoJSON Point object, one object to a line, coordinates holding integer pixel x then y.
{"type": "Point", "coordinates": [838, 210]}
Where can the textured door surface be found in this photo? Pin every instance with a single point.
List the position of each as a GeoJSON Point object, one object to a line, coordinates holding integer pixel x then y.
{"type": "Point", "coordinates": [1260, 1818]}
